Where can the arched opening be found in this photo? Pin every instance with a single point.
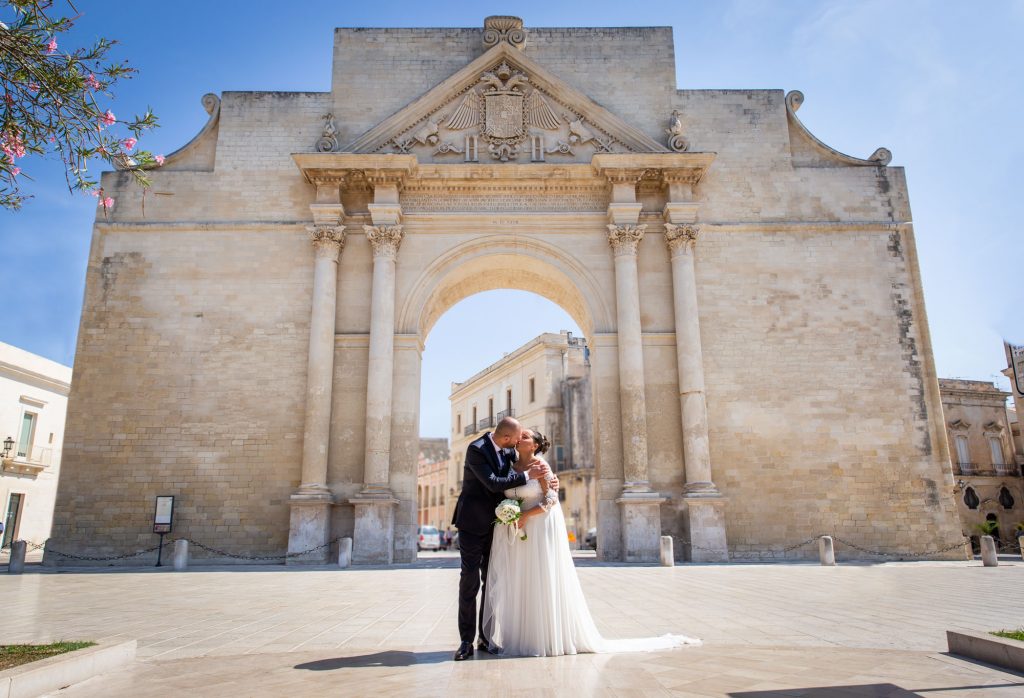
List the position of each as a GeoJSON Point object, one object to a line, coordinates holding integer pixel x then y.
{"type": "Point", "coordinates": [509, 352]}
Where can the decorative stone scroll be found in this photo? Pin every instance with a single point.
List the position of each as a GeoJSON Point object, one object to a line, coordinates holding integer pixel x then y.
{"type": "Point", "coordinates": [385, 239]}
{"type": "Point", "coordinates": [676, 140]}
{"type": "Point", "coordinates": [681, 237]}
{"type": "Point", "coordinates": [498, 28]}
{"type": "Point", "coordinates": [625, 238]}
{"type": "Point", "coordinates": [328, 141]}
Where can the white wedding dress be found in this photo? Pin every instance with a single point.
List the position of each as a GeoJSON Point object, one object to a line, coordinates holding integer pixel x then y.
{"type": "Point", "coordinates": [534, 605]}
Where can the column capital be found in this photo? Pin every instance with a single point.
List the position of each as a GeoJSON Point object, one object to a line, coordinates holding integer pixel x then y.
{"type": "Point", "coordinates": [385, 239]}
{"type": "Point", "coordinates": [328, 240]}
{"type": "Point", "coordinates": [681, 238]}
{"type": "Point", "coordinates": [625, 238]}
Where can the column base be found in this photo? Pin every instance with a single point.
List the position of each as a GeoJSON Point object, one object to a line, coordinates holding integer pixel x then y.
{"type": "Point", "coordinates": [373, 537]}
{"type": "Point", "coordinates": [641, 525]}
{"type": "Point", "coordinates": [707, 528]}
{"type": "Point", "coordinates": [309, 527]}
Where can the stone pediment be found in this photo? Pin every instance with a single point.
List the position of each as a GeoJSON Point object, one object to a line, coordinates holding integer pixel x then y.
{"type": "Point", "coordinates": [503, 107]}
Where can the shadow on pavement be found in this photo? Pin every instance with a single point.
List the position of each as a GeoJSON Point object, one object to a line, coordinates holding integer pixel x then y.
{"type": "Point", "coordinates": [378, 659]}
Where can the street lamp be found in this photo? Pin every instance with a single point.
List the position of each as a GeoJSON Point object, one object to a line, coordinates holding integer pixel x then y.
{"type": "Point", "coordinates": [8, 446]}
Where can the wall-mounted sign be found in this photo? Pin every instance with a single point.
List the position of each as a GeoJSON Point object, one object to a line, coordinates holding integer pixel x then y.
{"type": "Point", "coordinates": [163, 517]}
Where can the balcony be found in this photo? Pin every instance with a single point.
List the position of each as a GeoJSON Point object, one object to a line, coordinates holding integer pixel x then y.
{"type": "Point", "coordinates": [506, 413]}
{"type": "Point", "coordinates": [28, 461]}
{"type": "Point", "coordinates": [469, 430]}
{"type": "Point", "coordinates": [485, 423]}
{"type": "Point", "coordinates": [977, 470]}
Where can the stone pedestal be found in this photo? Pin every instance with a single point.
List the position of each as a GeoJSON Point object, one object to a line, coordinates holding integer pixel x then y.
{"type": "Point", "coordinates": [180, 555]}
{"type": "Point", "coordinates": [374, 533]}
{"type": "Point", "coordinates": [707, 528]}
{"type": "Point", "coordinates": [309, 528]}
{"type": "Point", "coordinates": [641, 526]}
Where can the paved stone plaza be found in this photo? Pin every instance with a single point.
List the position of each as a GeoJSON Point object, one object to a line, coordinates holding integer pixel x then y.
{"type": "Point", "coordinates": [770, 630]}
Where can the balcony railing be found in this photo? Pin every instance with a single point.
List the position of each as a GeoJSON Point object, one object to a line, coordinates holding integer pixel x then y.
{"type": "Point", "coordinates": [469, 430]}
{"type": "Point", "coordinates": [506, 413]}
{"type": "Point", "coordinates": [975, 469]}
{"type": "Point", "coordinates": [485, 423]}
{"type": "Point", "coordinates": [35, 455]}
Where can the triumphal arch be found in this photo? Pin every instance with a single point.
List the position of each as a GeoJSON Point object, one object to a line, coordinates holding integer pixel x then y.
{"type": "Point", "coordinates": [253, 323]}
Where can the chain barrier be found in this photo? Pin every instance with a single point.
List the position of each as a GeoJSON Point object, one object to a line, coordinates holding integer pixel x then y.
{"type": "Point", "coordinates": [1005, 548]}
{"type": "Point", "coordinates": [216, 551]}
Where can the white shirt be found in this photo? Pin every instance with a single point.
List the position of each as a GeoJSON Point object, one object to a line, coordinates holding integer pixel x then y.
{"type": "Point", "coordinates": [497, 449]}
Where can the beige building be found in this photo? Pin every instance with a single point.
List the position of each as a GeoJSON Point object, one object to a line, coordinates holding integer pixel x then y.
{"type": "Point", "coordinates": [986, 466]}
{"type": "Point", "coordinates": [33, 404]}
{"type": "Point", "coordinates": [760, 358]}
{"type": "Point", "coordinates": [432, 483]}
{"type": "Point", "coordinates": [545, 384]}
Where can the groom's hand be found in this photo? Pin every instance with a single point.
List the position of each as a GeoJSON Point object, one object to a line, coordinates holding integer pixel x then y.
{"type": "Point", "coordinates": [537, 470]}
{"type": "Point", "coordinates": [553, 482]}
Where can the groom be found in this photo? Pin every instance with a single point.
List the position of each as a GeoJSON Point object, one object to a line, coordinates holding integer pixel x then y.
{"type": "Point", "coordinates": [488, 473]}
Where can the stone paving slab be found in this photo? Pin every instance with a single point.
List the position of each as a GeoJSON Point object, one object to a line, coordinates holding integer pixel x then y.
{"type": "Point", "coordinates": [740, 672]}
{"type": "Point", "coordinates": [748, 615]}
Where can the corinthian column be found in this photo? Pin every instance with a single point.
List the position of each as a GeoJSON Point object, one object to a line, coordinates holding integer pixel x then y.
{"type": "Point", "coordinates": [624, 240]}
{"type": "Point", "coordinates": [705, 505]}
{"type": "Point", "coordinates": [385, 240]}
{"type": "Point", "coordinates": [310, 505]}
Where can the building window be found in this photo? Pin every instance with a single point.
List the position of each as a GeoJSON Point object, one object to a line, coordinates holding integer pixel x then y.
{"type": "Point", "coordinates": [996, 447]}
{"type": "Point", "coordinates": [559, 457]}
{"type": "Point", "coordinates": [490, 410]}
{"type": "Point", "coordinates": [28, 432]}
{"type": "Point", "coordinates": [458, 423]}
{"type": "Point", "coordinates": [533, 390]}
{"type": "Point", "coordinates": [971, 498]}
{"type": "Point", "coordinates": [1005, 498]}
{"type": "Point", "coordinates": [963, 453]}
{"type": "Point", "coordinates": [508, 400]}
{"type": "Point", "coordinates": [474, 417]}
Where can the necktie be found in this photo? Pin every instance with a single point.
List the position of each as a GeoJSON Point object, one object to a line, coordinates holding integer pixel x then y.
{"type": "Point", "coordinates": [501, 458]}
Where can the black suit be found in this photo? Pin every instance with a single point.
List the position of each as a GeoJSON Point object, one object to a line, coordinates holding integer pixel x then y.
{"type": "Point", "coordinates": [484, 480]}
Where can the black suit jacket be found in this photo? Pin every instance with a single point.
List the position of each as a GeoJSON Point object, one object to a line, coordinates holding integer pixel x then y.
{"type": "Point", "coordinates": [484, 482]}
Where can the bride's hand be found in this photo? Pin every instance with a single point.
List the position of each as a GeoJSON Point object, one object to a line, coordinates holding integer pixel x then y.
{"type": "Point", "coordinates": [520, 522]}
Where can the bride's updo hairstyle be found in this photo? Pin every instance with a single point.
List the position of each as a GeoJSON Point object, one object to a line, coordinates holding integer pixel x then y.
{"type": "Point", "coordinates": [542, 442]}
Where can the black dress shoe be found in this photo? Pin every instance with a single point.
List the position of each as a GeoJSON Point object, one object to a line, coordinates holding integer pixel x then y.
{"type": "Point", "coordinates": [465, 651]}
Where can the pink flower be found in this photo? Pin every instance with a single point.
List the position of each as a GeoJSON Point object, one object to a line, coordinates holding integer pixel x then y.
{"type": "Point", "coordinates": [12, 146]}
{"type": "Point", "coordinates": [107, 202]}
{"type": "Point", "coordinates": [159, 160]}
{"type": "Point", "coordinates": [92, 83]}
{"type": "Point", "coordinates": [33, 87]}
{"type": "Point", "coordinates": [15, 171]}
{"type": "Point", "coordinates": [129, 143]}
{"type": "Point", "coordinates": [95, 192]}
{"type": "Point", "coordinates": [108, 119]}
{"type": "Point", "coordinates": [51, 47]}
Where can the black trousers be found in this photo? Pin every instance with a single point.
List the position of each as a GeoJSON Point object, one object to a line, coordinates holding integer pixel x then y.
{"type": "Point", "coordinates": [475, 549]}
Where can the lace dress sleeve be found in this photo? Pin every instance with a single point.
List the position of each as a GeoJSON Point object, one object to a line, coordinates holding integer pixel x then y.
{"type": "Point", "coordinates": [550, 496]}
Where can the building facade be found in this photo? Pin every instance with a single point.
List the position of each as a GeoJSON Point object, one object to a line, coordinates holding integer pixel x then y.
{"type": "Point", "coordinates": [545, 384]}
{"type": "Point", "coordinates": [760, 356]}
{"type": "Point", "coordinates": [986, 465]}
{"type": "Point", "coordinates": [33, 406]}
{"type": "Point", "coordinates": [433, 490]}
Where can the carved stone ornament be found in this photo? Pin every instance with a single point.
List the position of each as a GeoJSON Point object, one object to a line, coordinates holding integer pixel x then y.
{"type": "Point", "coordinates": [676, 140]}
{"type": "Point", "coordinates": [681, 237]}
{"type": "Point", "coordinates": [328, 141]}
{"type": "Point", "coordinates": [385, 239]}
{"type": "Point", "coordinates": [327, 239]}
{"type": "Point", "coordinates": [500, 28]}
{"type": "Point", "coordinates": [502, 111]}
{"type": "Point", "coordinates": [625, 238]}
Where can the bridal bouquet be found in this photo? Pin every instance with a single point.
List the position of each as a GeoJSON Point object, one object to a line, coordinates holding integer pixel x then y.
{"type": "Point", "coordinates": [508, 512]}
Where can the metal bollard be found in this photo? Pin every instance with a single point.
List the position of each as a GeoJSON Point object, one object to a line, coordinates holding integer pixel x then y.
{"type": "Point", "coordinates": [344, 552]}
{"type": "Point", "coordinates": [826, 551]}
{"type": "Point", "coordinates": [180, 555]}
{"type": "Point", "coordinates": [668, 559]}
{"type": "Point", "coordinates": [1020, 542]}
{"type": "Point", "coordinates": [17, 563]}
{"type": "Point", "coordinates": [988, 552]}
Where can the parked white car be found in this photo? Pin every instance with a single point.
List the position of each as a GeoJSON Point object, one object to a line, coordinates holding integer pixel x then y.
{"type": "Point", "coordinates": [429, 538]}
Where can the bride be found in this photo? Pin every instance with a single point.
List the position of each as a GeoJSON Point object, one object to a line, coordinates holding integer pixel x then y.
{"type": "Point", "coordinates": [534, 604]}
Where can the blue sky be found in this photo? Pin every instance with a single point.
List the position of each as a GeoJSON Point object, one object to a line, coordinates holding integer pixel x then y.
{"type": "Point", "coordinates": [938, 83]}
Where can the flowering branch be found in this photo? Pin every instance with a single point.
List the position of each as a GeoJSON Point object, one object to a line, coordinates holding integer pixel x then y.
{"type": "Point", "coordinates": [50, 104]}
